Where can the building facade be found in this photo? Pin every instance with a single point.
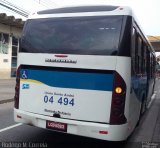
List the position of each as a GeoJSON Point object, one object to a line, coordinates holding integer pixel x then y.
{"type": "Point", "coordinates": [10, 32]}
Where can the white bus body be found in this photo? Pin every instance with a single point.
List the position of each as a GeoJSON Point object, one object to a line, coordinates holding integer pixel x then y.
{"type": "Point", "coordinates": [83, 94]}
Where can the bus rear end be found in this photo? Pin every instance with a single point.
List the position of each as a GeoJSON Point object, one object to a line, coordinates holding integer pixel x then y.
{"type": "Point", "coordinates": [70, 77]}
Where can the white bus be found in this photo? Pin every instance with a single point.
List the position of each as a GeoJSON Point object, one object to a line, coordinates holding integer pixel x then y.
{"type": "Point", "coordinates": [85, 70]}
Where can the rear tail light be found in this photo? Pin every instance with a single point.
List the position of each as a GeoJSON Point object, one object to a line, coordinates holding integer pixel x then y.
{"type": "Point", "coordinates": [16, 97]}
{"type": "Point", "coordinates": [61, 55]}
{"type": "Point", "coordinates": [103, 132]}
{"type": "Point", "coordinates": [118, 101]}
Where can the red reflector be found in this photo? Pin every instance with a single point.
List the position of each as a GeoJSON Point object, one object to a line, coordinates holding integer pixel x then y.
{"type": "Point", "coordinates": [19, 116]}
{"type": "Point", "coordinates": [103, 132]}
{"type": "Point", "coordinates": [61, 56]}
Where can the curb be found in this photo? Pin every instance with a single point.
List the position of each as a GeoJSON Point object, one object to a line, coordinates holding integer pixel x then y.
{"type": "Point", "coordinates": [6, 101]}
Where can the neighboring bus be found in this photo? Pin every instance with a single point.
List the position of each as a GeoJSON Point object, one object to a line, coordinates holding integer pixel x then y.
{"type": "Point", "coordinates": [86, 70]}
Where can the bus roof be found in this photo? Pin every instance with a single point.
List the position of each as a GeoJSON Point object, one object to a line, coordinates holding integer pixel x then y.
{"type": "Point", "coordinates": [78, 11]}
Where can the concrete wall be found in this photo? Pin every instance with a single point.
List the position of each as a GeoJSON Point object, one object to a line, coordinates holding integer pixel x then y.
{"type": "Point", "coordinates": [5, 59]}
{"type": "Point", "coordinates": [5, 66]}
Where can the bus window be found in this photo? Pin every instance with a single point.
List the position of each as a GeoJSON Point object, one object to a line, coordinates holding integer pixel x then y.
{"type": "Point", "coordinates": [133, 68]}
{"type": "Point", "coordinates": [85, 35]}
{"type": "Point", "coordinates": [136, 55]}
{"type": "Point", "coordinates": [139, 54]}
{"type": "Point", "coordinates": [144, 59]}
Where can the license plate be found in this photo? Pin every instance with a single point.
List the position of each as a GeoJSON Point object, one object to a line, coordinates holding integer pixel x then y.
{"type": "Point", "coordinates": [58, 126]}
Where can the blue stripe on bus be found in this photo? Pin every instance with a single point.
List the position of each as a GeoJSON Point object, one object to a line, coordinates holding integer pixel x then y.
{"type": "Point", "coordinates": [75, 80]}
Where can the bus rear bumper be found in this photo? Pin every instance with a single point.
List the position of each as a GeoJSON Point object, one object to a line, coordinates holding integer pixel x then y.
{"type": "Point", "coordinates": [81, 128]}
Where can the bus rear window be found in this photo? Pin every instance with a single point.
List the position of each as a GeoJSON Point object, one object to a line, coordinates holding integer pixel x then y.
{"type": "Point", "coordinates": [76, 35]}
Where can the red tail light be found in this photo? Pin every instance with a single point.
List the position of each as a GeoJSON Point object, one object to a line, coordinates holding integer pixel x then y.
{"type": "Point", "coordinates": [61, 55]}
{"type": "Point", "coordinates": [17, 87]}
{"type": "Point", "coordinates": [118, 101]}
{"type": "Point", "coordinates": [103, 132]}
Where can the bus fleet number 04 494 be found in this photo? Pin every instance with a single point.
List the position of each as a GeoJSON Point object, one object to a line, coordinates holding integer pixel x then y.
{"type": "Point", "coordinates": [61, 101]}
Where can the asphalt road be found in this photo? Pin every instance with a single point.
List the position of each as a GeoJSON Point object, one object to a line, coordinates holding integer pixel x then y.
{"type": "Point", "coordinates": [7, 90]}
{"type": "Point", "coordinates": [147, 133]}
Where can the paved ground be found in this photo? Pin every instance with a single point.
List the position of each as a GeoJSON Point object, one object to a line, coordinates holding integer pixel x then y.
{"type": "Point", "coordinates": [149, 130]}
{"type": "Point", "coordinates": [7, 90]}
{"type": "Point", "coordinates": [6, 115]}
{"type": "Point", "coordinates": [156, 134]}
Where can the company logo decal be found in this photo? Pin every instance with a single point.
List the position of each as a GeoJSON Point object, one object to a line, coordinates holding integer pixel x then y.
{"type": "Point", "coordinates": [61, 61]}
{"type": "Point", "coordinates": [25, 86]}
